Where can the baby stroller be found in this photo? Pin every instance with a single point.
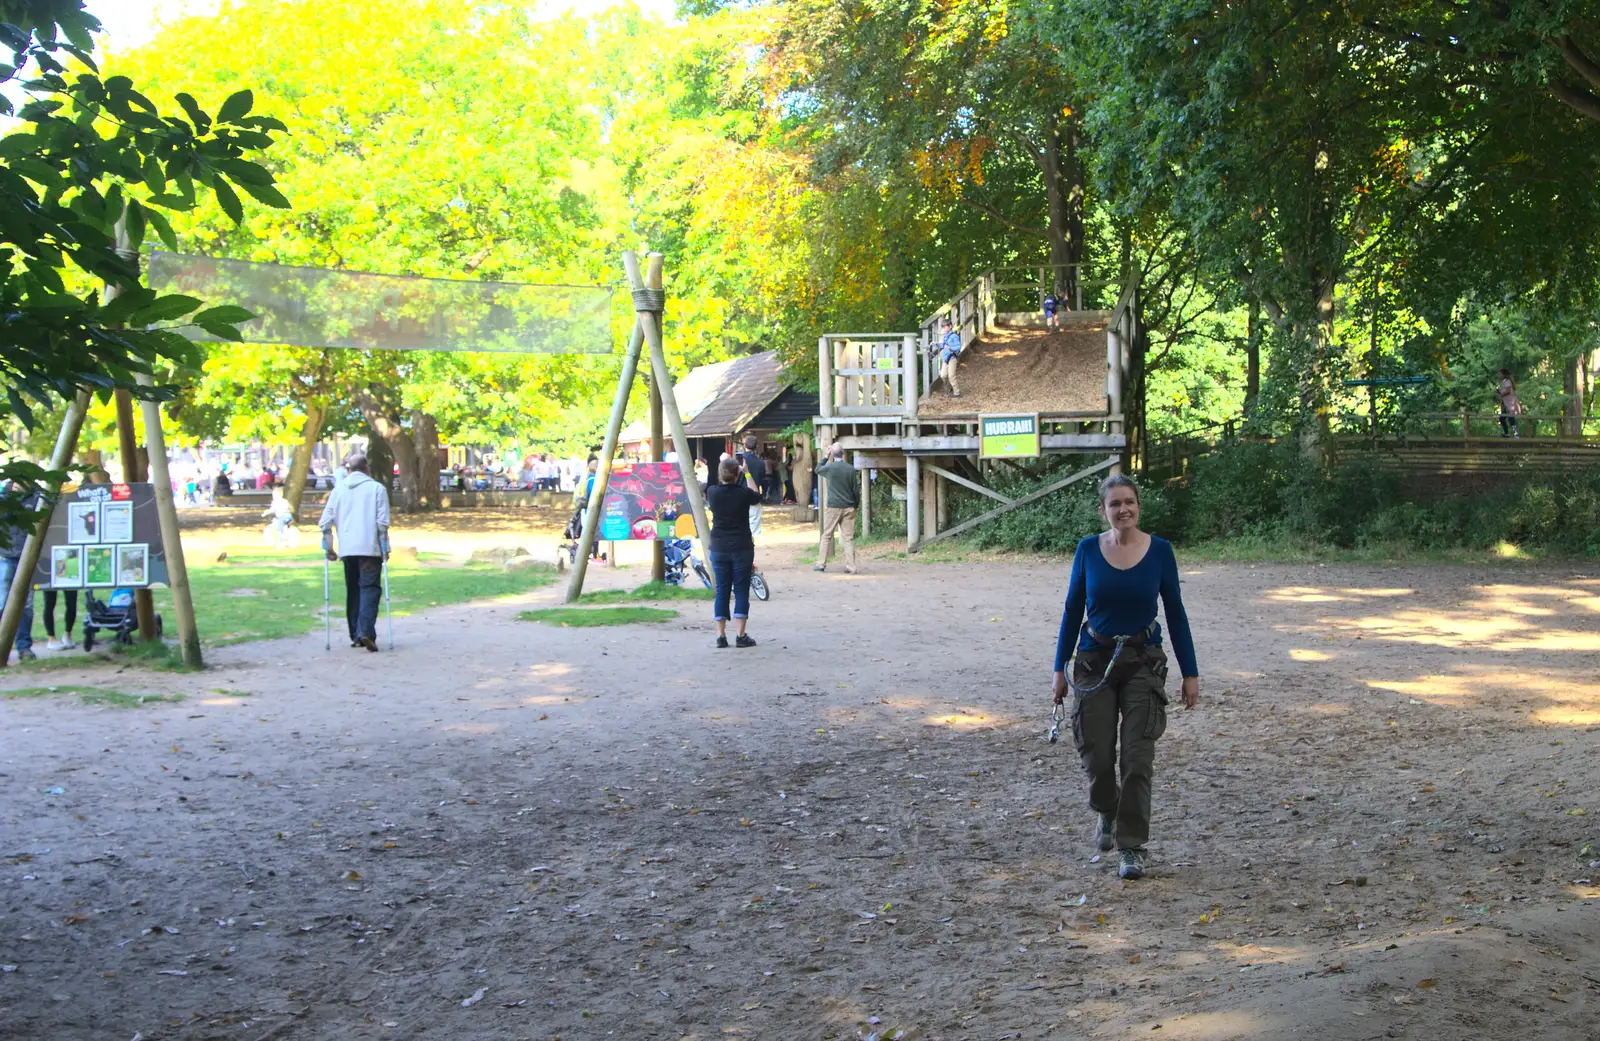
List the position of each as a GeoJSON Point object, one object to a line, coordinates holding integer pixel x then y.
{"type": "Point", "coordinates": [680, 559]}
{"type": "Point", "coordinates": [116, 616]}
{"type": "Point", "coordinates": [567, 552]}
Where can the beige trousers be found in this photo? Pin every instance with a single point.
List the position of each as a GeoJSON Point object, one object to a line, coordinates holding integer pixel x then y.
{"type": "Point", "coordinates": [948, 371]}
{"type": "Point", "coordinates": [844, 522]}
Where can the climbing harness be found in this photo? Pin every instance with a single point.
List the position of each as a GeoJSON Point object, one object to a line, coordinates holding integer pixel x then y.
{"type": "Point", "coordinates": [1138, 639]}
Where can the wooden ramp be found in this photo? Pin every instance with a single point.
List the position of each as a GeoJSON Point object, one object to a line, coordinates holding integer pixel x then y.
{"type": "Point", "coordinates": [1027, 370]}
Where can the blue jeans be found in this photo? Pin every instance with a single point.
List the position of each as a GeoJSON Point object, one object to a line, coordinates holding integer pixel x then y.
{"type": "Point", "coordinates": [733, 576]}
{"type": "Point", "coordinates": [363, 585]}
{"type": "Point", "coordinates": [8, 565]}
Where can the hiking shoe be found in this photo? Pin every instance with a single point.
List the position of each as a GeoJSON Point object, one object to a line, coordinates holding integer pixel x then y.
{"type": "Point", "coordinates": [820, 567]}
{"type": "Point", "coordinates": [744, 641]}
{"type": "Point", "coordinates": [1105, 832]}
{"type": "Point", "coordinates": [1130, 863]}
{"type": "Point", "coordinates": [26, 654]}
{"type": "Point", "coordinates": [722, 642]}
{"type": "Point", "coordinates": [369, 643]}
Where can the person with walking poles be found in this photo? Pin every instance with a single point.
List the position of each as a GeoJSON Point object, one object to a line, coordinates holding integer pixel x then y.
{"type": "Point", "coordinates": [841, 485]}
{"type": "Point", "coordinates": [949, 357]}
{"type": "Point", "coordinates": [732, 549]}
{"type": "Point", "coordinates": [358, 512]}
{"type": "Point", "coordinates": [1119, 671]}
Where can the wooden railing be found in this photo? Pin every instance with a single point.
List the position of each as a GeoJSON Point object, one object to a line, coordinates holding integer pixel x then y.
{"type": "Point", "coordinates": [971, 313]}
{"type": "Point", "coordinates": [1463, 425]}
{"type": "Point", "coordinates": [1045, 281]}
{"type": "Point", "coordinates": [868, 374]}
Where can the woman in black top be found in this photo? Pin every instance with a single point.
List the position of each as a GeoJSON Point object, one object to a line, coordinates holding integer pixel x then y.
{"type": "Point", "coordinates": [733, 551]}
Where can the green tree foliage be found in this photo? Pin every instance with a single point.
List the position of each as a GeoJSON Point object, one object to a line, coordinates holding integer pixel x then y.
{"type": "Point", "coordinates": [94, 154]}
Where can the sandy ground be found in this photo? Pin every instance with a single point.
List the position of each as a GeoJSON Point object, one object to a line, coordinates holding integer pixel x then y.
{"type": "Point", "coordinates": [1027, 370]}
{"type": "Point", "coordinates": [1378, 824]}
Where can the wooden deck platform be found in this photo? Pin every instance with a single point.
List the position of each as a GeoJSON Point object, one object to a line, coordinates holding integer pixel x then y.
{"type": "Point", "coordinates": [880, 398]}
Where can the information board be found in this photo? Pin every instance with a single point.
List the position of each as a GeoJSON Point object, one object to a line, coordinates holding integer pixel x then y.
{"type": "Point", "coordinates": [1008, 437]}
{"type": "Point", "coordinates": [646, 501]}
{"type": "Point", "coordinates": [103, 536]}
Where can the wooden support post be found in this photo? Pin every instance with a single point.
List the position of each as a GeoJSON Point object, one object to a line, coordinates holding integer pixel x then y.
{"type": "Point", "coordinates": [866, 504]}
{"type": "Point", "coordinates": [591, 514]}
{"type": "Point", "coordinates": [908, 377]}
{"type": "Point", "coordinates": [22, 581]}
{"type": "Point", "coordinates": [658, 560]}
{"type": "Point", "coordinates": [973, 485]}
{"type": "Point", "coordinates": [1104, 464]}
{"type": "Point", "coordinates": [825, 377]}
{"type": "Point", "coordinates": [155, 440]}
{"type": "Point", "coordinates": [940, 498]}
{"type": "Point", "coordinates": [930, 506]}
{"type": "Point", "coordinates": [913, 500]}
{"type": "Point", "coordinates": [144, 605]}
{"type": "Point", "coordinates": [650, 322]}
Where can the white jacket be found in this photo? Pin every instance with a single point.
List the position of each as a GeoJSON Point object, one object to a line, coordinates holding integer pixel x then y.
{"type": "Point", "coordinates": [358, 507]}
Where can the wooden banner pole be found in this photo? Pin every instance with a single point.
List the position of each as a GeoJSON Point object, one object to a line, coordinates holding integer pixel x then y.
{"type": "Point", "coordinates": [649, 321]}
{"type": "Point", "coordinates": [602, 477]}
{"type": "Point", "coordinates": [22, 581]}
{"type": "Point", "coordinates": [155, 440]}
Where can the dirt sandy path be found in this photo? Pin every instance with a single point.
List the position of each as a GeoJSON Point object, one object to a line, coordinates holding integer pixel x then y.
{"type": "Point", "coordinates": [1374, 827]}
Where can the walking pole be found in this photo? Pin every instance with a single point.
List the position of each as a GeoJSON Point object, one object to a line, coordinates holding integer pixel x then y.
{"type": "Point", "coordinates": [327, 622]}
{"type": "Point", "coordinates": [388, 608]}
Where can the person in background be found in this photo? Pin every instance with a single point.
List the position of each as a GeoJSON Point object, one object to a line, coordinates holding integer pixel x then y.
{"type": "Point", "coordinates": [732, 548]}
{"type": "Point", "coordinates": [1510, 405]}
{"type": "Point", "coordinates": [282, 517]}
{"type": "Point", "coordinates": [757, 471]}
{"type": "Point", "coordinates": [1050, 305]}
{"type": "Point", "coordinates": [224, 485]}
{"type": "Point", "coordinates": [10, 564]}
{"type": "Point", "coordinates": [790, 496]}
{"type": "Point", "coordinates": [839, 508]}
{"type": "Point", "coordinates": [65, 642]}
{"type": "Point", "coordinates": [357, 513]}
{"type": "Point", "coordinates": [950, 358]}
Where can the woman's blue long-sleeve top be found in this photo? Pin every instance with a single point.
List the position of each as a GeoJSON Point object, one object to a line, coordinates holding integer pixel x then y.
{"type": "Point", "coordinates": [1123, 602]}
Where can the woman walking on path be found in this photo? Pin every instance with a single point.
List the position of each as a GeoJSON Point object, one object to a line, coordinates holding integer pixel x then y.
{"type": "Point", "coordinates": [1120, 671]}
{"type": "Point", "coordinates": [732, 549]}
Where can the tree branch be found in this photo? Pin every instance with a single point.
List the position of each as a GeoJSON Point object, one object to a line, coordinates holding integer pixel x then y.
{"type": "Point", "coordinates": [1579, 62]}
{"type": "Point", "coordinates": [985, 208]}
{"type": "Point", "coordinates": [1581, 101]}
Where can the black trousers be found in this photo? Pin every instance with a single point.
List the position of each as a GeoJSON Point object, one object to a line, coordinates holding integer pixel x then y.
{"type": "Point", "coordinates": [363, 585]}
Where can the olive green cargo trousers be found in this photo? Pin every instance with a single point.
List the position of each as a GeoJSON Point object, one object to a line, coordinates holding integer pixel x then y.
{"type": "Point", "coordinates": [1130, 705]}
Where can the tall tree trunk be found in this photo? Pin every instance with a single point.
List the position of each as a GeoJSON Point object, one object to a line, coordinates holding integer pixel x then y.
{"type": "Point", "coordinates": [379, 459]}
{"type": "Point", "coordinates": [1314, 381]}
{"type": "Point", "coordinates": [1252, 359]}
{"type": "Point", "coordinates": [294, 488]}
{"type": "Point", "coordinates": [1573, 409]}
{"type": "Point", "coordinates": [404, 450]}
{"type": "Point", "coordinates": [1062, 171]}
{"type": "Point", "coordinates": [425, 432]}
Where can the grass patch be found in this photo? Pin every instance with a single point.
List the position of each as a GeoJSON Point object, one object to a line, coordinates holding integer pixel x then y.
{"type": "Point", "coordinates": [649, 591]}
{"type": "Point", "coordinates": [268, 595]}
{"type": "Point", "coordinates": [95, 695]}
{"type": "Point", "coordinates": [585, 617]}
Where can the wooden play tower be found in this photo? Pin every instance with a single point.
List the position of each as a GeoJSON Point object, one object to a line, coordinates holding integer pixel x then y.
{"type": "Point", "coordinates": [881, 398]}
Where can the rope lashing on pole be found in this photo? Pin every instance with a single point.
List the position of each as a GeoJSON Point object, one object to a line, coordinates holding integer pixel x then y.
{"type": "Point", "coordinates": [652, 300]}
